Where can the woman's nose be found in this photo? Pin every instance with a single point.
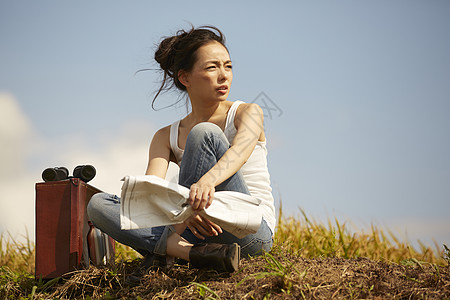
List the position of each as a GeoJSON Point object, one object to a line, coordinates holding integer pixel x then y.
{"type": "Point", "coordinates": [223, 74]}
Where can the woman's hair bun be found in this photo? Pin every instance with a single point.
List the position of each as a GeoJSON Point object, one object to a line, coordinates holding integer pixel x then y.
{"type": "Point", "coordinates": [165, 54]}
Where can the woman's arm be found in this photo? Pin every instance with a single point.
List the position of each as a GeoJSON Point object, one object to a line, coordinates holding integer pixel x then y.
{"type": "Point", "coordinates": [250, 125]}
{"type": "Point", "coordinates": [159, 153]}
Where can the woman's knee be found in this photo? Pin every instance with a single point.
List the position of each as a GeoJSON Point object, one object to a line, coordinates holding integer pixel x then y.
{"type": "Point", "coordinates": [256, 247]}
{"type": "Point", "coordinates": [258, 243]}
{"type": "Point", "coordinates": [204, 130]}
{"type": "Point", "coordinates": [97, 203]}
{"type": "Point", "coordinates": [206, 127]}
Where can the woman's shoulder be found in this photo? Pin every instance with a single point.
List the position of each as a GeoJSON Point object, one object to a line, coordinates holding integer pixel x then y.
{"type": "Point", "coordinates": [162, 134]}
{"type": "Point", "coordinates": [164, 130]}
{"type": "Point", "coordinates": [250, 109]}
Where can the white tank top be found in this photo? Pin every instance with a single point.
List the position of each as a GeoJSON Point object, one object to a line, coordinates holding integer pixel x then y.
{"type": "Point", "coordinates": [254, 171]}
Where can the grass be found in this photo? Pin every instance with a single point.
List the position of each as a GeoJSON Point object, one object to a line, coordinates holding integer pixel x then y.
{"type": "Point", "coordinates": [310, 238]}
{"type": "Point", "coordinates": [17, 256]}
{"type": "Point", "coordinates": [309, 260]}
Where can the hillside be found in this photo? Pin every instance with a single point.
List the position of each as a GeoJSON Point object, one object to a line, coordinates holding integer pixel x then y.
{"type": "Point", "coordinates": [309, 261]}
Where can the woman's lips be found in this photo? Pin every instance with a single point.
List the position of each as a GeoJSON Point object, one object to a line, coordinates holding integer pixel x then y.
{"type": "Point", "coordinates": [222, 89]}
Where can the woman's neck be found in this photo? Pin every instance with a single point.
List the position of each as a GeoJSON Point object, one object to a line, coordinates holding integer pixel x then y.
{"type": "Point", "coordinates": [204, 112]}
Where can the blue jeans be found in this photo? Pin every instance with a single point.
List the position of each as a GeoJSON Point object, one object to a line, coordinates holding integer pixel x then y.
{"type": "Point", "coordinates": [205, 145]}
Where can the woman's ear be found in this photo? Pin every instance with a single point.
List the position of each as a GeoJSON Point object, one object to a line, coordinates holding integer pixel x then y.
{"type": "Point", "coordinates": [183, 77]}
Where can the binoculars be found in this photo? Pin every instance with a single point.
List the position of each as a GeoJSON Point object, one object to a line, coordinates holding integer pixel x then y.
{"type": "Point", "coordinates": [84, 172]}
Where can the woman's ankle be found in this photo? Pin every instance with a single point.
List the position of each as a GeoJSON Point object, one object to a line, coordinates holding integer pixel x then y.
{"type": "Point", "coordinates": [179, 228]}
{"type": "Point", "coordinates": [178, 247]}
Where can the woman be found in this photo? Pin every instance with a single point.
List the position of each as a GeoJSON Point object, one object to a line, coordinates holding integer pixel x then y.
{"type": "Point", "coordinates": [224, 150]}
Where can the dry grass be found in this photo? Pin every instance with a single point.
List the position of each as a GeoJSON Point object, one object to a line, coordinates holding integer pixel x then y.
{"type": "Point", "coordinates": [15, 255]}
{"type": "Point", "coordinates": [309, 238]}
{"type": "Point", "coordinates": [309, 260]}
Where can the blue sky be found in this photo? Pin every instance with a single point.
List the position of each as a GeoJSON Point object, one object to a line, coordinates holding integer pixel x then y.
{"type": "Point", "coordinates": [360, 91]}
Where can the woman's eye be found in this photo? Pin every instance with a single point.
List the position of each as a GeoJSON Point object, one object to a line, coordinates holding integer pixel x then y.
{"type": "Point", "coordinates": [211, 67]}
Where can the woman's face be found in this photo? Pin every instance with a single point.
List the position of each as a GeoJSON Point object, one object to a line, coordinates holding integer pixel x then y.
{"type": "Point", "coordinates": [211, 75]}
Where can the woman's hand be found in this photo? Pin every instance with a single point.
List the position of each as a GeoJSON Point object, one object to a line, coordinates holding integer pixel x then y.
{"type": "Point", "coordinates": [202, 227]}
{"type": "Point", "coordinates": [201, 194]}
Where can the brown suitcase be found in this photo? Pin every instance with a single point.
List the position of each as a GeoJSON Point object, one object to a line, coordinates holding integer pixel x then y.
{"type": "Point", "coordinates": [62, 227]}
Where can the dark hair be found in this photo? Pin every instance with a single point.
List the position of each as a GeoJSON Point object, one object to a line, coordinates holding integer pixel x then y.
{"type": "Point", "coordinates": [178, 52]}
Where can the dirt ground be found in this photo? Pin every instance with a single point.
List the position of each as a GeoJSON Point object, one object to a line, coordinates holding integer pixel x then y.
{"type": "Point", "coordinates": [276, 276]}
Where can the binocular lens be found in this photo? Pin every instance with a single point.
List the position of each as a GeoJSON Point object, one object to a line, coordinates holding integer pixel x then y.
{"type": "Point", "coordinates": [55, 174]}
{"type": "Point", "coordinates": [85, 173]}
